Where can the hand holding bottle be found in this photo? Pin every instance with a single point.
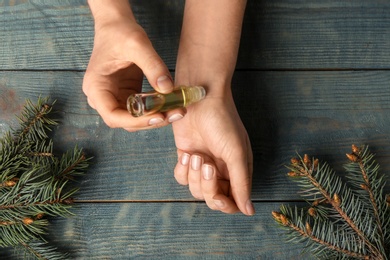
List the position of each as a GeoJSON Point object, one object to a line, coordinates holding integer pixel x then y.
{"type": "Point", "coordinates": [121, 56]}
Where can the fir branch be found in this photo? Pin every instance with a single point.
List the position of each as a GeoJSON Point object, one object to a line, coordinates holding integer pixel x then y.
{"type": "Point", "coordinates": [34, 121]}
{"type": "Point", "coordinates": [72, 163]}
{"type": "Point", "coordinates": [307, 232]}
{"type": "Point", "coordinates": [316, 176]}
{"type": "Point", "coordinates": [34, 181]}
{"type": "Point", "coordinates": [340, 221]}
{"type": "Point", "coordinates": [371, 183]}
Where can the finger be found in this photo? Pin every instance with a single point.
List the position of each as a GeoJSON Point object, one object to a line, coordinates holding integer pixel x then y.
{"type": "Point", "coordinates": [194, 172]}
{"type": "Point", "coordinates": [152, 66]}
{"type": "Point", "coordinates": [116, 117]}
{"type": "Point", "coordinates": [215, 191]}
{"type": "Point", "coordinates": [225, 204]}
{"type": "Point", "coordinates": [175, 115]}
{"type": "Point", "coordinates": [181, 169]}
{"type": "Point", "coordinates": [240, 172]}
{"type": "Point", "coordinates": [209, 184]}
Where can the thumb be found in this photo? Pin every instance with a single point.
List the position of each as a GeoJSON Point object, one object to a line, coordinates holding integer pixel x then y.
{"type": "Point", "coordinates": [154, 68]}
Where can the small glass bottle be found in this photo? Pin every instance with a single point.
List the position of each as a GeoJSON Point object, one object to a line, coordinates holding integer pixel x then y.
{"type": "Point", "coordinates": [152, 102]}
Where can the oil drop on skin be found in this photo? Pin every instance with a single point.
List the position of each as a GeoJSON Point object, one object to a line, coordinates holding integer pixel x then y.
{"type": "Point", "coordinates": [152, 102]}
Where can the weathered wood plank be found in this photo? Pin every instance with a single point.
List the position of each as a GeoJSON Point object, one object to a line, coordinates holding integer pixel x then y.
{"type": "Point", "coordinates": [58, 35]}
{"type": "Point", "coordinates": [170, 231]}
{"type": "Point", "coordinates": [319, 113]}
{"type": "Point", "coordinates": [316, 35]}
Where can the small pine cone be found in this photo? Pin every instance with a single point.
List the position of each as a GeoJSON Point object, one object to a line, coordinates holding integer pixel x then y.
{"type": "Point", "coordinates": [293, 174]}
{"type": "Point", "coordinates": [336, 199]}
{"type": "Point", "coordinates": [307, 161]}
{"type": "Point", "coordinates": [315, 164]}
{"type": "Point", "coordinates": [27, 221]}
{"type": "Point", "coordinates": [284, 220]}
{"type": "Point", "coordinates": [279, 217]}
{"type": "Point", "coordinates": [9, 183]}
{"type": "Point", "coordinates": [355, 149]}
{"type": "Point", "coordinates": [364, 186]}
{"type": "Point", "coordinates": [45, 107]}
{"type": "Point", "coordinates": [276, 215]}
{"type": "Point", "coordinates": [295, 161]}
{"type": "Point", "coordinates": [352, 157]}
{"type": "Point", "coordinates": [39, 216]}
{"type": "Point", "coordinates": [317, 202]}
{"type": "Point", "coordinates": [312, 212]}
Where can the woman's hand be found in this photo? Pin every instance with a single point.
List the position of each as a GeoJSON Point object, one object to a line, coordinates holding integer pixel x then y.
{"type": "Point", "coordinates": [121, 56]}
{"type": "Point", "coordinates": [215, 156]}
{"type": "Point", "coordinates": [214, 152]}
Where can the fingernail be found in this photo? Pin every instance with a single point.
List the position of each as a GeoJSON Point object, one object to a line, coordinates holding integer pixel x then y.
{"type": "Point", "coordinates": [207, 171]}
{"type": "Point", "coordinates": [164, 83]}
{"type": "Point", "coordinates": [196, 162]}
{"type": "Point", "coordinates": [219, 203]}
{"type": "Point", "coordinates": [249, 208]}
{"type": "Point", "coordinates": [174, 118]}
{"type": "Point", "coordinates": [155, 121]}
{"type": "Point", "coordinates": [185, 158]}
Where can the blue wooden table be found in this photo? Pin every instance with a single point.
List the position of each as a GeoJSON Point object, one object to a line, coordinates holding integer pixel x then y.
{"type": "Point", "coordinates": [312, 77]}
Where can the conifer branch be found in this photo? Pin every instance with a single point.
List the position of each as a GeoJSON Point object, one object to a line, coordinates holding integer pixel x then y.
{"type": "Point", "coordinates": [307, 232]}
{"type": "Point", "coordinates": [45, 108]}
{"type": "Point", "coordinates": [341, 222]}
{"type": "Point", "coordinates": [34, 181]}
{"type": "Point", "coordinates": [335, 201]}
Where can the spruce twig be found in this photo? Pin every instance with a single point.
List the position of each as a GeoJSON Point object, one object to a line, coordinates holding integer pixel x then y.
{"type": "Point", "coordinates": [344, 220]}
{"type": "Point", "coordinates": [34, 182]}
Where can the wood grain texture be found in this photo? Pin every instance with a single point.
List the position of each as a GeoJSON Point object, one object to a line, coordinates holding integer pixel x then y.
{"type": "Point", "coordinates": [58, 35]}
{"type": "Point", "coordinates": [312, 77]}
{"type": "Point", "coordinates": [320, 113]}
{"type": "Point", "coordinates": [170, 231]}
{"type": "Point", "coordinates": [316, 35]}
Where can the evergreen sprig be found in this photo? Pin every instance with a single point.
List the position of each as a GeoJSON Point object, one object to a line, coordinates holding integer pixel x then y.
{"type": "Point", "coordinates": [34, 182]}
{"type": "Point", "coordinates": [346, 218]}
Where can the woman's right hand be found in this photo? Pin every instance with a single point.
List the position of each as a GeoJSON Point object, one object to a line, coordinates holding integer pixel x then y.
{"type": "Point", "coordinates": [121, 56]}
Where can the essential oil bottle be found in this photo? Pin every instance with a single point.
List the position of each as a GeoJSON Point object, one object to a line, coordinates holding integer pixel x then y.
{"type": "Point", "coordinates": [152, 102]}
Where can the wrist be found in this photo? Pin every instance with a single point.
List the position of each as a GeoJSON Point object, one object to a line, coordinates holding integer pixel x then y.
{"type": "Point", "coordinates": [107, 11]}
{"type": "Point", "coordinates": [216, 85]}
{"type": "Point", "coordinates": [214, 76]}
